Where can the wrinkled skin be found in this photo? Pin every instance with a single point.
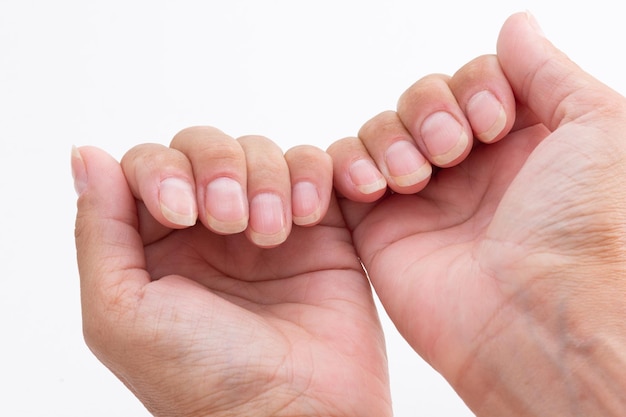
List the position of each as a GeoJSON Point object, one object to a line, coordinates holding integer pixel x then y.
{"type": "Point", "coordinates": [197, 323]}
{"type": "Point", "coordinates": [504, 269]}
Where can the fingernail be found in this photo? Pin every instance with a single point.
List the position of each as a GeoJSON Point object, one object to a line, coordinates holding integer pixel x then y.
{"type": "Point", "coordinates": [535, 24]}
{"type": "Point", "coordinates": [405, 164]}
{"type": "Point", "coordinates": [305, 203]}
{"type": "Point", "coordinates": [267, 220]}
{"type": "Point", "coordinates": [366, 177]}
{"type": "Point", "coordinates": [226, 205]}
{"type": "Point", "coordinates": [178, 202]}
{"type": "Point", "coordinates": [79, 171]}
{"type": "Point", "coordinates": [486, 115]}
{"type": "Point", "coordinates": [444, 137]}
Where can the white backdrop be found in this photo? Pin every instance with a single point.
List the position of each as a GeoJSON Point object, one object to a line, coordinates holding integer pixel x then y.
{"type": "Point", "coordinates": [117, 73]}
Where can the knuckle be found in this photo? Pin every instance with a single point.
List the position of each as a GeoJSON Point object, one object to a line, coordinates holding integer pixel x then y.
{"type": "Point", "coordinates": [383, 124]}
{"type": "Point", "coordinates": [195, 132]}
{"type": "Point", "coordinates": [308, 152]}
{"type": "Point", "coordinates": [426, 88]}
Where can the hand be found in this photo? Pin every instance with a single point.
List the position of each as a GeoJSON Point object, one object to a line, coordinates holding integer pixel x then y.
{"type": "Point", "coordinates": [507, 271]}
{"type": "Point", "coordinates": [198, 319]}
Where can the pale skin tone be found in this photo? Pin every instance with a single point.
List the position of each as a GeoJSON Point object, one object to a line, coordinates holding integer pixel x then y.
{"type": "Point", "coordinates": [201, 323]}
{"type": "Point", "coordinates": [500, 255]}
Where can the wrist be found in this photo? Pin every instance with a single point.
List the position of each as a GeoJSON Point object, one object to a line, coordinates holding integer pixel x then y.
{"type": "Point", "coordinates": [553, 352]}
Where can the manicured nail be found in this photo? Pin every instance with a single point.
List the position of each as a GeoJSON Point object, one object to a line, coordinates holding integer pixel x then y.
{"type": "Point", "coordinates": [226, 206]}
{"type": "Point", "coordinates": [79, 171]}
{"type": "Point", "coordinates": [444, 137]}
{"type": "Point", "coordinates": [178, 202]}
{"type": "Point", "coordinates": [405, 164]}
{"type": "Point", "coordinates": [366, 177]}
{"type": "Point", "coordinates": [486, 115]}
{"type": "Point", "coordinates": [267, 220]}
{"type": "Point", "coordinates": [305, 204]}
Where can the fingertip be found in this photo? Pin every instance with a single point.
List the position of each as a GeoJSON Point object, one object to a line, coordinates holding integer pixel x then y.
{"type": "Point", "coordinates": [517, 30]}
{"type": "Point", "coordinates": [408, 169]}
{"type": "Point", "coordinates": [305, 203]}
{"type": "Point", "coordinates": [432, 115]}
{"type": "Point", "coordinates": [543, 77]}
{"type": "Point", "coordinates": [485, 97]}
{"type": "Point", "coordinates": [366, 177]}
{"type": "Point", "coordinates": [268, 191]}
{"type": "Point", "coordinates": [177, 201]}
{"type": "Point", "coordinates": [226, 206]}
{"type": "Point", "coordinates": [162, 179]}
{"type": "Point", "coordinates": [311, 174]}
{"type": "Point", "coordinates": [395, 153]}
{"type": "Point", "coordinates": [99, 175]}
{"type": "Point", "coordinates": [356, 175]}
{"type": "Point", "coordinates": [445, 138]}
{"type": "Point", "coordinates": [534, 23]}
{"type": "Point", "coordinates": [106, 233]}
{"type": "Point", "coordinates": [487, 116]}
{"type": "Point", "coordinates": [79, 171]}
{"type": "Point", "coordinates": [268, 226]}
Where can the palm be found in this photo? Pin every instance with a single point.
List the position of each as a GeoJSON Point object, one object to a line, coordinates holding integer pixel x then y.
{"type": "Point", "coordinates": [443, 261]}
{"type": "Point", "coordinates": [293, 328]}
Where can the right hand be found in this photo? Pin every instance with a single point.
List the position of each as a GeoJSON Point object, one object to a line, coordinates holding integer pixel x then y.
{"type": "Point", "coordinates": [507, 269]}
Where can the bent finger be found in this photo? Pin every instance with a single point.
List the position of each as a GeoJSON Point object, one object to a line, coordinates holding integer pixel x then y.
{"type": "Point", "coordinates": [486, 98]}
{"type": "Point", "coordinates": [545, 79]}
{"type": "Point", "coordinates": [311, 174]}
{"type": "Point", "coordinates": [269, 191]}
{"type": "Point", "coordinates": [391, 146]}
{"type": "Point", "coordinates": [356, 175]}
{"type": "Point", "coordinates": [219, 169]}
{"type": "Point", "coordinates": [162, 178]}
{"type": "Point", "coordinates": [431, 114]}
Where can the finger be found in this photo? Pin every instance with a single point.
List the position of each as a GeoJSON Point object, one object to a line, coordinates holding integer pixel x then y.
{"type": "Point", "coordinates": [391, 146]}
{"type": "Point", "coordinates": [486, 98]}
{"type": "Point", "coordinates": [219, 169]}
{"type": "Point", "coordinates": [311, 173]}
{"type": "Point", "coordinates": [109, 249]}
{"type": "Point", "coordinates": [162, 178]}
{"type": "Point", "coordinates": [432, 115]}
{"type": "Point", "coordinates": [269, 191]}
{"type": "Point", "coordinates": [544, 79]}
{"type": "Point", "coordinates": [356, 176]}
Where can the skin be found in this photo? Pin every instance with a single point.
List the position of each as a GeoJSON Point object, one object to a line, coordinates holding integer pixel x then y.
{"type": "Point", "coordinates": [504, 271]}
{"type": "Point", "coordinates": [201, 323]}
{"type": "Point", "coordinates": [499, 255]}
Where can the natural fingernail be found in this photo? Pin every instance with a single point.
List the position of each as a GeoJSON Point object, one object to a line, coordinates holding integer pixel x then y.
{"type": "Point", "coordinates": [405, 164]}
{"type": "Point", "coordinates": [226, 206]}
{"type": "Point", "coordinates": [267, 220]}
{"type": "Point", "coordinates": [305, 203]}
{"type": "Point", "coordinates": [177, 201]}
{"type": "Point", "coordinates": [486, 115]}
{"type": "Point", "coordinates": [366, 177]}
{"type": "Point", "coordinates": [535, 24]}
{"type": "Point", "coordinates": [79, 171]}
{"type": "Point", "coordinates": [444, 137]}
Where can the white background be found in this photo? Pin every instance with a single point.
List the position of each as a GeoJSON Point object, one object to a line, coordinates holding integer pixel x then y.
{"type": "Point", "coordinates": [117, 73]}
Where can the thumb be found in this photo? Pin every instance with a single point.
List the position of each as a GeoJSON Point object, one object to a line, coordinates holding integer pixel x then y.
{"type": "Point", "coordinates": [109, 247]}
{"type": "Point", "coordinates": [545, 79]}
